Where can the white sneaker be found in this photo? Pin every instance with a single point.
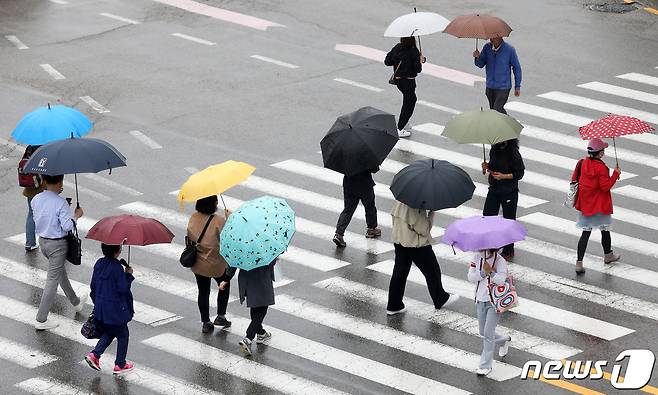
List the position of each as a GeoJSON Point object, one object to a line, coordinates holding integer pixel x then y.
{"type": "Point", "coordinates": [83, 300]}
{"type": "Point", "coordinates": [452, 299]}
{"type": "Point", "coordinates": [44, 326]}
{"type": "Point", "coordinates": [260, 339]}
{"type": "Point", "coordinates": [394, 312]}
{"type": "Point", "coordinates": [31, 248]}
{"type": "Point", "coordinates": [483, 372]}
{"type": "Point", "coordinates": [245, 347]}
{"type": "Point", "coordinates": [502, 351]}
{"type": "Point", "coordinates": [404, 133]}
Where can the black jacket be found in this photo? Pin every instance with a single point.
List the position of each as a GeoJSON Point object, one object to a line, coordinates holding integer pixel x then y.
{"type": "Point", "coordinates": [360, 184]}
{"type": "Point", "coordinates": [507, 160]}
{"type": "Point", "coordinates": [255, 285]}
{"type": "Point", "coordinates": [407, 57]}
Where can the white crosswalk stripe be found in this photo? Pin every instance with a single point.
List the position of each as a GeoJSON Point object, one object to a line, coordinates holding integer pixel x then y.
{"type": "Point", "coordinates": [639, 193]}
{"type": "Point", "coordinates": [621, 91]}
{"type": "Point", "coordinates": [23, 355]}
{"type": "Point", "coordinates": [637, 77]}
{"type": "Point", "coordinates": [48, 386]}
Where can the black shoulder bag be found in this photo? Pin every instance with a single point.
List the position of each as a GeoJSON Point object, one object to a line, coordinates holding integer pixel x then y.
{"type": "Point", "coordinates": [188, 257]}
{"type": "Point", "coordinates": [74, 246]}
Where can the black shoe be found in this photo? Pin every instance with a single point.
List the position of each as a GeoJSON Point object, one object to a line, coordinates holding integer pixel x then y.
{"type": "Point", "coordinates": [222, 321]}
{"type": "Point", "coordinates": [207, 327]}
{"type": "Point", "coordinates": [338, 240]}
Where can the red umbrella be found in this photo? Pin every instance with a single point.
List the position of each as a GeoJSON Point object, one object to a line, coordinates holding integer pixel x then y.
{"type": "Point", "coordinates": [613, 126]}
{"type": "Point", "coordinates": [130, 230]}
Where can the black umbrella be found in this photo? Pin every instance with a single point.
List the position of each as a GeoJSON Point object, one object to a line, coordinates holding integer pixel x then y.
{"type": "Point", "coordinates": [432, 184]}
{"type": "Point", "coordinates": [359, 141]}
{"type": "Point", "coordinates": [74, 155]}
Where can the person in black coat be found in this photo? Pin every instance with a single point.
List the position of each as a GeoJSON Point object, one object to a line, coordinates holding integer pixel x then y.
{"type": "Point", "coordinates": [406, 61]}
{"type": "Point", "coordinates": [359, 187]}
{"type": "Point", "coordinates": [505, 169]}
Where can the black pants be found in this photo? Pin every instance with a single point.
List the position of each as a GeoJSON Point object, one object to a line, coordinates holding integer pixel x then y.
{"type": "Point", "coordinates": [606, 242]}
{"type": "Point", "coordinates": [256, 325]}
{"type": "Point", "coordinates": [497, 99]}
{"type": "Point", "coordinates": [426, 261]}
{"type": "Point", "coordinates": [203, 299]}
{"type": "Point", "coordinates": [408, 89]}
{"type": "Point", "coordinates": [351, 202]}
{"type": "Point", "coordinates": [508, 202]}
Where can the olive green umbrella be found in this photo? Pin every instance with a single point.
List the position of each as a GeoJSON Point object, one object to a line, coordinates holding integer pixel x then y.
{"type": "Point", "coordinates": [482, 127]}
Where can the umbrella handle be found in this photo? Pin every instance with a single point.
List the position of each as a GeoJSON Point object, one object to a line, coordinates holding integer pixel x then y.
{"type": "Point", "coordinates": [77, 198]}
{"type": "Point", "coordinates": [420, 46]}
{"type": "Point", "coordinates": [222, 197]}
{"type": "Point", "coordinates": [615, 145]}
{"type": "Point", "coordinates": [476, 44]}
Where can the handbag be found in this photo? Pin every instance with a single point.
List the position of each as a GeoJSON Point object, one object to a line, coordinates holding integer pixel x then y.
{"type": "Point", "coordinates": [91, 329]}
{"type": "Point", "coordinates": [188, 257]}
{"type": "Point", "coordinates": [503, 297]}
{"type": "Point", "coordinates": [392, 80]}
{"type": "Point", "coordinates": [74, 246]}
{"type": "Point", "coordinates": [572, 194]}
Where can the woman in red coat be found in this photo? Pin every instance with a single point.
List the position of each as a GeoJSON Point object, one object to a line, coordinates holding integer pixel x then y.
{"type": "Point", "coordinates": [594, 201]}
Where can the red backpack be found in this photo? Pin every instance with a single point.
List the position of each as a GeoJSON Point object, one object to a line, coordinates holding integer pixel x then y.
{"type": "Point", "coordinates": [27, 180]}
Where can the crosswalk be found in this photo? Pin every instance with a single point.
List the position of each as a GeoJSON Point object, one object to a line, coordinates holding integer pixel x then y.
{"type": "Point", "coordinates": [310, 327]}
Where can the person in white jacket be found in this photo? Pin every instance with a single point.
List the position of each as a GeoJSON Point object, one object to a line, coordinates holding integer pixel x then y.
{"type": "Point", "coordinates": [488, 266]}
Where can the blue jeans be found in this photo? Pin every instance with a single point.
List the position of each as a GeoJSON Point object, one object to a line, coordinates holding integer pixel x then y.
{"type": "Point", "coordinates": [30, 237]}
{"type": "Point", "coordinates": [120, 332]}
{"type": "Point", "coordinates": [487, 320]}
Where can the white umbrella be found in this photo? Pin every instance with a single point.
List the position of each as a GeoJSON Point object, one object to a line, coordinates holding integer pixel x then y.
{"type": "Point", "coordinates": [416, 24]}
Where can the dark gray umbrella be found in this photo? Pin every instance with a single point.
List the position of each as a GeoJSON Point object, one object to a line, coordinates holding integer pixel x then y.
{"type": "Point", "coordinates": [359, 141]}
{"type": "Point", "coordinates": [74, 155]}
{"type": "Point", "coordinates": [432, 184]}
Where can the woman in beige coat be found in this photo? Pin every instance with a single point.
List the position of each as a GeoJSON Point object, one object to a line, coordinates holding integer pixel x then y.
{"type": "Point", "coordinates": [209, 264]}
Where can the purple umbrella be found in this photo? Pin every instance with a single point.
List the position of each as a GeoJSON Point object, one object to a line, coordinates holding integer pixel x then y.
{"type": "Point", "coordinates": [482, 233]}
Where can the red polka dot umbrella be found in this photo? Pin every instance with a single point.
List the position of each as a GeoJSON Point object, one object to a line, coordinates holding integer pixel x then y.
{"type": "Point", "coordinates": [613, 126]}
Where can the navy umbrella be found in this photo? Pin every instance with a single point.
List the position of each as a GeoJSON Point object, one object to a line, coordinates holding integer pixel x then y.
{"type": "Point", "coordinates": [359, 141]}
{"type": "Point", "coordinates": [432, 184]}
{"type": "Point", "coordinates": [73, 156]}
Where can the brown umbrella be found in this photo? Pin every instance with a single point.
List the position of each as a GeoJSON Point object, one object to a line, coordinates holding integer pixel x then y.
{"type": "Point", "coordinates": [478, 26]}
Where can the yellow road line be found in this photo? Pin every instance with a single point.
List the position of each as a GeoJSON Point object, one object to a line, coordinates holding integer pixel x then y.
{"type": "Point", "coordinates": [578, 389]}
{"type": "Point", "coordinates": [651, 10]}
{"type": "Point", "coordinates": [647, 388]}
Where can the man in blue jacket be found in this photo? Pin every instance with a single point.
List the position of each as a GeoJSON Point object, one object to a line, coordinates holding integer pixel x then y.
{"type": "Point", "coordinates": [499, 57]}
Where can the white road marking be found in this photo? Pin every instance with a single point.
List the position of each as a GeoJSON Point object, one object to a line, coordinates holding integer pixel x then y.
{"type": "Point", "coordinates": [358, 84]}
{"type": "Point", "coordinates": [144, 139]}
{"type": "Point", "coordinates": [70, 329]}
{"type": "Point", "coordinates": [621, 91]}
{"type": "Point", "coordinates": [447, 318]}
{"type": "Point", "coordinates": [17, 43]}
{"type": "Point", "coordinates": [23, 355]}
{"type": "Point", "coordinates": [63, 2]}
{"type": "Point", "coordinates": [191, 170]}
{"type": "Point", "coordinates": [119, 18]}
{"type": "Point", "coordinates": [113, 184]}
{"type": "Point", "coordinates": [237, 366]}
{"type": "Point", "coordinates": [387, 336]}
{"type": "Point", "coordinates": [529, 308]}
{"type": "Point", "coordinates": [49, 386]}
{"type": "Point", "coordinates": [94, 104]}
{"type": "Point", "coordinates": [438, 107]}
{"type": "Point", "coordinates": [639, 193]}
{"type": "Point", "coordinates": [274, 61]}
{"type": "Point", "coordinates": [194, 39]}
{"type": "Point", "coordinates": [347, 362]}
{"type": "Point", "coordinates": [70, 187]}
{"type": "Point", "coordinates": [571, 119]}
{"type": "Point", "coordinates": [600, 106]}
{"type": "Point", "coordinates": [637, 77]}
{"type": "Point", "coordinates": [52, 72]}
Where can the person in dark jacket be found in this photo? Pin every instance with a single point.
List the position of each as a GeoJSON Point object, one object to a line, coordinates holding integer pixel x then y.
{"type": "Point", "coordinates": [359, 187]}
{"type": "Point", "coordinates": [499, 58]}
{"type": "Point", "coordinates": [505, 169]}
{"type": "Point", "coordinates": [113, 307]}
{"type": "Point", "coordinates": [406, 61]}
{"type": "Point", "coordinates": [256, 287]}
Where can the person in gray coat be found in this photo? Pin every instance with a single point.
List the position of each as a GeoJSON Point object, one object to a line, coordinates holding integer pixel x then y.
{"type": "Point", "coordinates": [256, 287]}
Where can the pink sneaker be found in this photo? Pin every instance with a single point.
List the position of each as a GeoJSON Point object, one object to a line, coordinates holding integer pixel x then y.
{"type": "Point", "coordinates": [93, 361]}
{"type": "Point", "coordinates": [126, 368]}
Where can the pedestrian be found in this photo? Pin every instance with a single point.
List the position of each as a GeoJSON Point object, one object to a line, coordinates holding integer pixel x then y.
{"type": "Point", "coordinates": [358, 187]}
{"type": "Point", "coordinates": [594, 200]}
{"type": "Point", "coordinates": [500, 60]}
{"type": "Point", "coordinates": [505, 169]}
{"type": "Point", "coordinates": [113, 307]}
{"type": "Point", "coordinates": [413, 244]}
{"type": "Point", "coordinates": [32, 185]}
{"type": "Point", "coordinates": [256, 287]}
{"type": "Point", "coordinates": [53, 221]}
{"type": "Point", "coordinates": [407, 62]}
{"type": "Point", "coordinates": [488, 267]}
{"type": "Point", "coordinates": [209, 263]}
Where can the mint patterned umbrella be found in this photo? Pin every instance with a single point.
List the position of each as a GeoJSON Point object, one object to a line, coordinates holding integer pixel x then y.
{"type": "Point", "coordinates": [257, 232]}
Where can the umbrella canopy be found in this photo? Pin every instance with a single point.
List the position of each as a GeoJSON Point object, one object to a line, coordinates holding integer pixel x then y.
{"type": "Point", "coordinates": [359, 141]}
{"type": "Point", "coordinates": [478, 26]}
{"type": "Point", "coordinates": [482, 127]}
{"type": "Point", "coordinates": [482, 233]}
{"type": "Point", "coordinates": [214, 180]}
{"type": "Point", "coordinates": [73, 155]}
{"type": "Point", "coordinates": [257, 232]}
{"type": "Point", "coordinates": [613, 126]}
{"type": "Point", "coordinates": [416, 24]}
{"type": "Point", "coordinates": [47, 124]}
{"type": "Point", "coordinates": [130, 230]}
{"type": "Point", "coordinates": [432, 184]}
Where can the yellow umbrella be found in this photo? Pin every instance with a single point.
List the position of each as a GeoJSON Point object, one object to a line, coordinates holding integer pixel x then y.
{"type": "Point", "coordinates": [214, 180]}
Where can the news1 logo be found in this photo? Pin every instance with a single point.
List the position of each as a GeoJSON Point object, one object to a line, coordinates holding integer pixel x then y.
{"type": "Point", "coordinates": [639, 368]}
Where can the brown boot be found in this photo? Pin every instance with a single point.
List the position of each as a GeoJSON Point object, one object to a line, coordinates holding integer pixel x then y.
{"type": "Point", "coordinates": [373, 233]}
{"type": "Point", "coordinates": [611, 257]}
{"type": "Point", "coordinates": [579, 267]}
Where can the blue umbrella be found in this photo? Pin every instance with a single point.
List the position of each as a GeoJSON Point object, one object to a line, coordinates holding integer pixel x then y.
{"type": "Point", "coordinates": [47, 124]}
{"type": "Point", "coordinates": [257, 232]}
